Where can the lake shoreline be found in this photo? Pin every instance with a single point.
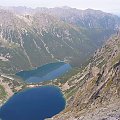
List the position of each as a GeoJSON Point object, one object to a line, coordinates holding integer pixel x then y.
{"type": "Point", "coordinates": [57, 90]}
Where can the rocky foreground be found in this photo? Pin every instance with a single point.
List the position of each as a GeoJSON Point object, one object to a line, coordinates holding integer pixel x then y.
{"type": "Point", "coordinates": [98, 87]}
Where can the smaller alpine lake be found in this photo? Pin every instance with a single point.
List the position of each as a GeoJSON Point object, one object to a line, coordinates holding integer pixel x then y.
{"type": "Point", "coordinates": [33, 104]}
{"type": "Point", "coordinates": [45, 73]}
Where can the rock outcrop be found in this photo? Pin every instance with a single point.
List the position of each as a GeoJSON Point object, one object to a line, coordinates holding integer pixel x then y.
{"type": "Point", "coordinates": [98, 97]}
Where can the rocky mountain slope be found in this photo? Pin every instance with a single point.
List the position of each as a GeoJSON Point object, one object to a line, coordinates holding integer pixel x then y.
{"type": "Point", "coordinates": [88, 18]}
{"type": "Point", "coordinates": [28, 41]}
{"type": "Point", "coordinates": [94, 92]}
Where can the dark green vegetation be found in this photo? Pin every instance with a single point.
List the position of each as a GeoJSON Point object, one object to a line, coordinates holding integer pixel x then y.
{"type": "Point", "coordinates": [29, 41]}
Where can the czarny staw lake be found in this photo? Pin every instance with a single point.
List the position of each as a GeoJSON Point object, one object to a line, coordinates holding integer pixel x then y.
{"type": "Point", "coordinates": [37, 103]}
{"type": "Point", "coordinates": [44, 73]}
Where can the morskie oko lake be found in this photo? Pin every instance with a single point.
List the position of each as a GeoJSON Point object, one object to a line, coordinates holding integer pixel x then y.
{"type": "Point", "coordinates": [33, 104]}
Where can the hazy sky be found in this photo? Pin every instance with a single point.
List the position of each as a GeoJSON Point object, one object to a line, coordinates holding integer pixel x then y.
{"type": "Point", "coordinates": [105, 5]}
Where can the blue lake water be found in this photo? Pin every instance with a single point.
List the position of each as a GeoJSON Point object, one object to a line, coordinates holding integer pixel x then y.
{"type": "Point", "coordinates": [44, 73]}
{"type": "Point", "coordinates": [33, 104]}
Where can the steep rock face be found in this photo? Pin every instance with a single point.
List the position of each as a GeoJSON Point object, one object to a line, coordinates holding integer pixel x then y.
{"type": "Point", "coordinates": [28, 41]}
{"type": "Point", "coordinates": [98, 87]}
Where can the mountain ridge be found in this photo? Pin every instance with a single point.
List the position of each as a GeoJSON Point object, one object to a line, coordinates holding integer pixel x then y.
{"type": "Point", "coordinates": [50, 38]}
